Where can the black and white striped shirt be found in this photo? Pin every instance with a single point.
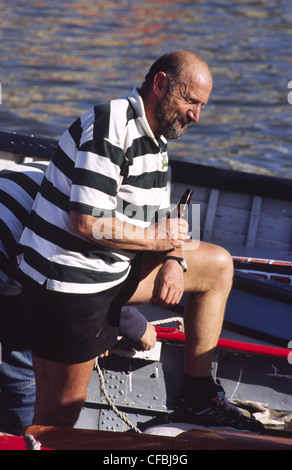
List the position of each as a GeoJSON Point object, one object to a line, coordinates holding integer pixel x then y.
{"type": "Point", "coordinates": [19, 185]}
{"type": "Point", "coordinates": [107, 163]}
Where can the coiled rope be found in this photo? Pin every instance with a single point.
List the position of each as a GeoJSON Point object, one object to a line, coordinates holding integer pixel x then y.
{"type": "Point", "coordinates": [31, 442]}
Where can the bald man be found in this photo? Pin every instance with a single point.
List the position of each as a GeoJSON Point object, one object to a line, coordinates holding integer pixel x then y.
{"type": "Point", "coordinates": [106, 241]}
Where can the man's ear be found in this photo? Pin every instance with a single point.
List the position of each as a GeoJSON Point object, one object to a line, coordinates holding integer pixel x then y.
{"type": "Point", "coordinates": [160, 84]}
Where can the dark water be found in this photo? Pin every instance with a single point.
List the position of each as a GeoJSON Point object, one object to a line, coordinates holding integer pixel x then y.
{"type": "Point", "coordinates": [60, 57]}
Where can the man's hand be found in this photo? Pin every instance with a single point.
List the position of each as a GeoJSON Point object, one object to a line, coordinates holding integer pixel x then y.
{"type": "Point", "coordinates": [148, 340]}
{"type": "Point", "coordinates": [169, 284]}
{"type": "Point", "coordinates": [105, 354]}
{"type": "Point", "coordinates": [170, 234]}
{"type": "Point", "coordinates": [145, 343]}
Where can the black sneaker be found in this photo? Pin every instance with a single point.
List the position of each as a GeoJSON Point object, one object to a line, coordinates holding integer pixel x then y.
{"type": "Point", "coordinates": [219, 413]}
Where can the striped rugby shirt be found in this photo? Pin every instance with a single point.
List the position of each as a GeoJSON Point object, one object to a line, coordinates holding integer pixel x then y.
{"type": "Point", "coordinates": [19, 185]}
{"type": "Point", "coordinates": [108, 163]}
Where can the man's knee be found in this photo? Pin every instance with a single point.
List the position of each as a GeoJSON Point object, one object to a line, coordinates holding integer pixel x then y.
{"type": "Point", "coordinates": [222, 264]}
{"type": "Point", "coordinates": [67, 414]}
{"type": "Point", "coordinates": [58, 413]}
{"type": "Point", "coordinates": [224, 258]}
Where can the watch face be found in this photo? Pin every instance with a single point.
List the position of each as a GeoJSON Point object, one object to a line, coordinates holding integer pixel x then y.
{"type": "Point", "coordinates": [184, 264]}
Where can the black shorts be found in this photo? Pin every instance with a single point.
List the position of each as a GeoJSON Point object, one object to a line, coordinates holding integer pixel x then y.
{"type": "Point", "coordinates": [75, 328]}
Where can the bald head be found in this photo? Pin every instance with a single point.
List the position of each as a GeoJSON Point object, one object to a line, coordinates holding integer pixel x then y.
{"type": "Point", "coordinates": [177, 85]}
{"type": "Point", "coordinates": [175, 64]}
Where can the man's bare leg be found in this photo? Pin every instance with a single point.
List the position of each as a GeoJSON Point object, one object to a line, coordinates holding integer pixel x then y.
{"type": "Point", "coordinates": [202, 400]}
{"type": "Point", "coordinates": [61, 390]}
{"type": "Point", "coordinates": [208, 282]}
{"type": "Point", "coordinates": [204, 310]}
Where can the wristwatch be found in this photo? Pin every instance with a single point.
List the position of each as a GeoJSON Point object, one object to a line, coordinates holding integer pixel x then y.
{"type": "Point", "coordinates": [181, 261]}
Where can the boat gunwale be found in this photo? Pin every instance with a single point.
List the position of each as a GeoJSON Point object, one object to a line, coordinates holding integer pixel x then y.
{"type": "Point", "coordinates": [183, 169]}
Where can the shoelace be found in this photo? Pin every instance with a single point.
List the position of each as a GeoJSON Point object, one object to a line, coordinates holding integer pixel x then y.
{"type": "Point", "coordinates": [221, 400]}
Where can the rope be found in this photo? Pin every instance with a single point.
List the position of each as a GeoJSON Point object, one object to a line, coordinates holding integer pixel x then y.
{"type": "Point", "coordinates": [32, 443]}
{"type": "Point", "coordinates": [180, 320]}
{"type": "Point", "coordinates": [102, 384]}
{"type": "Point", "coordinates": [111, 404]}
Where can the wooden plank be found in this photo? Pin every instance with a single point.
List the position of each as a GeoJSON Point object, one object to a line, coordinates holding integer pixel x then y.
{"type": "Point", "coordinates": [254, 221]}
{"type": "Point", "coordinates": [211, 214]}
{"type": "Point", "coordinates": [276, 229]}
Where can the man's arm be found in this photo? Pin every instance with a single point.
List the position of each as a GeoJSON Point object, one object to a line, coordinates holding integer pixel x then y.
{"type": "Point", "coordinates": [159, 238]}
{"type": "Point", "coordinates": [115, 234]}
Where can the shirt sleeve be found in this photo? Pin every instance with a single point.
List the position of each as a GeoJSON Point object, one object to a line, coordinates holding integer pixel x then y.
{"type": "Point", "coordinates": [132, 323]}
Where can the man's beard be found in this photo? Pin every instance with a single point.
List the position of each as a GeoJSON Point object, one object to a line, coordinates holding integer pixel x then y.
{"type": "Point", "coordinates": [172, 128]}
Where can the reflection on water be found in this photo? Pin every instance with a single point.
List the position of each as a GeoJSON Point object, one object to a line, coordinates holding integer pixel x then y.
{"type": "Point", "coordinates": [59, 58]}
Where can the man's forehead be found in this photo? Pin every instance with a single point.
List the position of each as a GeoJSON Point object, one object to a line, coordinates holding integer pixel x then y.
{"type": "Point", "coordinates": [197, 83]}
{"type": "Point", "coordinates": [195, 73]}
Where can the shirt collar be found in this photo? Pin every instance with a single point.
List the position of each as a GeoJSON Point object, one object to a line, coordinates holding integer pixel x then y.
{"type": "Point", "coordinates": [137, 102]}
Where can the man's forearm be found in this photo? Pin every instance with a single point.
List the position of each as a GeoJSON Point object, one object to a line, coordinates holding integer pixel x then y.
{"type": "Point", "coordinates": [116, 234]}
{"type": "Point", "coordinates": [112, 232]}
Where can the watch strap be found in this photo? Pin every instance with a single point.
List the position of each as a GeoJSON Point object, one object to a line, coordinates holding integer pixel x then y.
{"type": "Point", "coordinates": [181, 261]}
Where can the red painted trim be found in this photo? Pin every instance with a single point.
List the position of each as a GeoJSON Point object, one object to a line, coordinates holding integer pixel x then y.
{"type": "Point", "coordinates": [175, 336]}
{"type": "Point", "coordinates": [11, 442]}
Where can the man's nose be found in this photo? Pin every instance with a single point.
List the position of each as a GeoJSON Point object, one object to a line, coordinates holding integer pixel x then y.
{"type": "Point", "coordinates": [194, 113]}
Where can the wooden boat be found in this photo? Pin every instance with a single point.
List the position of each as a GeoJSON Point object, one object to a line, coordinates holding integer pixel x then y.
{"type": "Point", "coordinates": [251, 216]}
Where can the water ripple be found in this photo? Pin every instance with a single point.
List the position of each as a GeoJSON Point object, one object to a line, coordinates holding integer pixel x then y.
{"type": "Point", "coordinates": [59, 58]}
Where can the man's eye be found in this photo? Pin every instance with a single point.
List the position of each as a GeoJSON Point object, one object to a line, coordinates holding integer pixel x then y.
{"type": "Point", "coordinates": [191, 101]}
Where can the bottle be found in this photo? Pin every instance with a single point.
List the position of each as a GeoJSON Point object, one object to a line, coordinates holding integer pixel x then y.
{"type": "Point", "coordinates": [181, 208]}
